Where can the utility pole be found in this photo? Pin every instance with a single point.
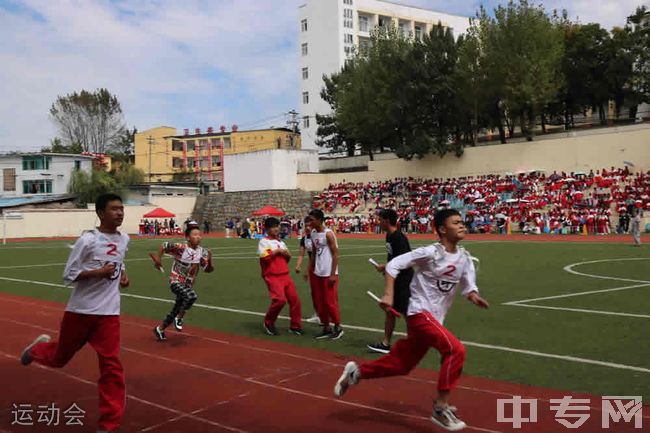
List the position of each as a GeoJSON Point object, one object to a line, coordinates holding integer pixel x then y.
{"type": "Point", "coordinates": [293, 121]}
{"type": "Point", "coordinates": [150, 140]}
{"type": "Point", "coordinates": [293, 125]}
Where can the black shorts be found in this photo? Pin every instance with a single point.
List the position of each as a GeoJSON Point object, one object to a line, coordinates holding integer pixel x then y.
{"type": "Point", "coordinates": [402, 293]}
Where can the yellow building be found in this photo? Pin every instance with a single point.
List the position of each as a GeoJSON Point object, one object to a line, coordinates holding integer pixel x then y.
{"type": "Point", "coordinates": [165, 156]}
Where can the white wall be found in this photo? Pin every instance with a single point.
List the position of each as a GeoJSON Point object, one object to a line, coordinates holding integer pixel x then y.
{"type": "Point", "coordinates": [267, 170]}
{"type": "Point", "coordinates": [35, 223]}
{"type": "Point", "coordinates": [60, 172]}
{"type": "Point", "coordinates": [574, 151]}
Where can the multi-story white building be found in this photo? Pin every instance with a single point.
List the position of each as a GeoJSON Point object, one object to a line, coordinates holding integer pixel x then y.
{"type": "Point", "coordinates": [33, 174]}
{"type": "Point", "coordinates": [329, 31]}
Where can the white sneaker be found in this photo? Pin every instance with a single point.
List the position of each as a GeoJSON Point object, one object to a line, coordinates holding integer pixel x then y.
{"type": "Point", "coordinates": [313, 319]}
{"type": "Point", "coordinates": [349, 377]}
{"type": "Point", "coordinates": [446, 419]}
{"type": "Point", "coordinates": [26, 356]}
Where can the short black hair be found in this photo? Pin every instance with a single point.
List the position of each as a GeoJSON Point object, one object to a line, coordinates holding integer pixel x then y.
{"type": "Point", "coordinates": [102, 201]}
{"type": "Point", "coordinates": [317, 214]}
{"type": "Point", "coordinates": [388, 214]}
{"type": "Point", "coordinates": [442, 216]}
{"type": "Point", "coordinates": [271, 222]}
{"type": "Point", "coordinates": [308, 218]}
{"type": "Point", "coordinates": [191, 226]}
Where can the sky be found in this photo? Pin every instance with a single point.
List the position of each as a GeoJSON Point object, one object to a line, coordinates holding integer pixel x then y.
{"type": "Point", "coordinates": [179, 63]}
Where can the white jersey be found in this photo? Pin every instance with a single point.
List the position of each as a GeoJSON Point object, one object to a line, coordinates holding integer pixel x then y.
{"type": "Point", "coordinates": [93, 250]}
{"type": "Point", "coordinates": [437, 275]}
{"type": "Point", "coordinates": [266, 246]}
{"type": "Point", "coordinates": [322, 253]}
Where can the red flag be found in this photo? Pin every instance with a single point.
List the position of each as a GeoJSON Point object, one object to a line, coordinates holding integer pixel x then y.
{"type": "Point", "coordinates": [184, 155]}
{"type": "Point", "coordinates": [221, 159]}
{"type": "Point", "coordinates": [210, 160]}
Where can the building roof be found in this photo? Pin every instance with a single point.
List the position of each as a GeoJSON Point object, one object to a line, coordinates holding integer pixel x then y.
{"type": "Point", "coordinates": [9, 202]}
{"type": "Point", "coordinates": [220, 134]}
{"type": "Point", "coordinates": [14, 154]}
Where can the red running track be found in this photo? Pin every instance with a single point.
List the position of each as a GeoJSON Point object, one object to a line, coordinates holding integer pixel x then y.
{"type": "Point", "coordinates": [206, 381]}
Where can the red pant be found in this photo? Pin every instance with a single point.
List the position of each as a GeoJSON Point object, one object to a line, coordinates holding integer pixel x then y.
{"type": "Point", "coordinates": [327, 300]}
{"type": "Point", "coordinates": [423, 332]}
{"type": "Point", "coordinates": [282, 290]}
{"type": "Point", "coordinates": [313, 285]}
{"type": "Point", "coordinates": [103, 335]}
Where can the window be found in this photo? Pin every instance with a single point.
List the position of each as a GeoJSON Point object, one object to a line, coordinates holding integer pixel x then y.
{"type": "Point", "coordinates": [305, 97]}
{"type": "Point", "coordinates": [9, 179]}
{"type": "Point", "coordinates": [348, 50]}
{"type": "Point", "coordinates": [347, 13]}
{"type": "Point", "coordinates": [77, 165]}
{"type": "Point", "coordinates": [347, 2]}
{"type": "Point", "coordinates": [305, 73]}
{"type": "Point", "coordinates": [418, 33]}
{"type": "Point", "coordinates": [304, 49]}
{"type": "Point", "coordinates": [177, 162]}
{"type": "Point", "coordinates": [305, 122]}
{"type": "Point", "coordinates": [347, 38]}
{"type": "Point", "coordinates": [363, 24]}
{"type": "Point", "coordinates": [190, 145]}
{"type": "Point", "coordinates": [348, 24]}
{"type": "Point", "coordinates": [191, 162]}
{"type": "Point", "coordinates": [203, 144]}
{"type": "Point", "coordinates": [177, 145]}
{"type": "Point", "coordinates": [36, 162]}
{"type": "Point", "coordinates": [43, 186]}
{"type": "Point", "coordinates": [303, 25]}
{"type": "Point", "coordinates": [404, 28]}
{"type": "Point", "coordinates": [216, 162]}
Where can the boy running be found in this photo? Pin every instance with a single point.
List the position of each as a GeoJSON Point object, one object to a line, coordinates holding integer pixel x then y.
{"type": "Point", "coordinates": [188, 258]}
{"type": "Point", "coordinates": [439, 270]}
{"type": "Point", "coordinates": [274, 257]}
{"type": "Point", "coordinates": [326, 276]}
{"type": "Point", "coordinates": [396, 244]}
{"type": "Point", "coordinates": [307, 247]}
{"type": "Point", "coordinates": [96, 269]}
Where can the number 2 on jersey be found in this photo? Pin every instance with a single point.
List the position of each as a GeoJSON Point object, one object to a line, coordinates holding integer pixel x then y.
{"type": "Point", "coordinates": [450, 272]}
{"type": "Point", "coordinates": [112, 250]}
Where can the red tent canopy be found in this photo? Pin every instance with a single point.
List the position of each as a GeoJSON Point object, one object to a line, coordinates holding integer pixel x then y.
{"type": "Point", "coordinates": [268, 210]}
{"type": "Point", "coordinates": [159, 213]}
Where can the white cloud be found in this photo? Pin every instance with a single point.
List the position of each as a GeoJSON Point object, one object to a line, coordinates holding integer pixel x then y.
{"type": "Point", "coordinates": [180, 63]}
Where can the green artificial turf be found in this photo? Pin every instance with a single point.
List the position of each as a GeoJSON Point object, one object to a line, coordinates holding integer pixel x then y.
{"type": "Point", "coordinates": [508, 271]}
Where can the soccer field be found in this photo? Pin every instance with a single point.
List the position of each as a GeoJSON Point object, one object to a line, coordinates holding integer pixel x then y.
{"type": "Point", "coordinates": [569, 316]}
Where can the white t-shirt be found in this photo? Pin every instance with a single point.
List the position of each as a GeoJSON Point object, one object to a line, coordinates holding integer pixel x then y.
{"type": "Point", "coordinates": [93, 250]}
{"type": "Point", "coordinates": [322, 253]}
{"type": "Point", "coordinates": [437, 275]}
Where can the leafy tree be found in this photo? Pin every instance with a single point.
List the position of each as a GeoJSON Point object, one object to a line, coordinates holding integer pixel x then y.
{"type": "Point", "coordinates": [93, 120]}
{"type": "Point", "coordinates": [57, 146]}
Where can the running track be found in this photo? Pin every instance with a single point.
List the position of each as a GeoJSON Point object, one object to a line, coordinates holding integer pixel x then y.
{"type": "Point", "coordinates": [206, 381]}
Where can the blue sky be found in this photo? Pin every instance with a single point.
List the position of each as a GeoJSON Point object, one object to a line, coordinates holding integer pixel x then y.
{"type": "Point", "coordinates": [181, 63]}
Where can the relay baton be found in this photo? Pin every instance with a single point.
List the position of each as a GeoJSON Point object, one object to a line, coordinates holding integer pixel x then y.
{"type": "Point", "coordinates": [390, 309]}
{"type": "Point", "coordinates": [153, 257]}
{"type": "Point", "coordinates": [373, 262]}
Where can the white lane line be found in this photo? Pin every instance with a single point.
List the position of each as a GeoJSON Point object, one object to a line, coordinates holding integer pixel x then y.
{"type": "Point", "coordinates": [236, 377]}
{"type": "Point", "coordinates": [282, 353]}
{"type": "Point", "coordinates": [569, 269]}
{"type": "Point", "coordinates": [570, 295]}
{"type": "Point", "coordinates": [582, 310]}
{"type": "Point", "coordinates": [376, 330]}
{"type": "Point", "coordinates": [131, 396]}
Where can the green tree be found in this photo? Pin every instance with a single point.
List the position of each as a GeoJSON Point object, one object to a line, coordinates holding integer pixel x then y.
{"type": "Point", "coordinates": [57, 146]}
{"type": "Point", "coordinates": [93, 120]}
{"type": "Point", "coordinates": [523, 52]}
{"type": "Point", "coordinates": [638, 27]}
{"type": "Point", "coordinates": [329, 132]}
{"type": "Point", "coordinates": [89, 186]}
{"type": "Point", "coordinates": [123, 148]}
